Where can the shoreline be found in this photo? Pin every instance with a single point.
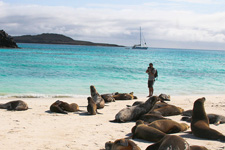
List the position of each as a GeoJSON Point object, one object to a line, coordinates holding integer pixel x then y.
{"type": "Point", "coordinates": [46, 96]}
{"type": "Point", "coordinates": [38, 129]}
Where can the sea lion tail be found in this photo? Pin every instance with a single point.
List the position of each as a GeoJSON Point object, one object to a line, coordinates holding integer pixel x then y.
{"type": "Point", "coordinates": [113, 120]}
{"type": "Point", "coordinates": [116, 120]}
{"type": "Point", "coordinates": [81, 110]}
{"type": "Point", "coordinates": [3, 106]}
{"type": "Point", "coordinates": [186, 118]}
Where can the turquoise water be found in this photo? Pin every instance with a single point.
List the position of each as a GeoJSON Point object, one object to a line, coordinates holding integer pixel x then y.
{"type": "Point", "coordinates": [67, 70]}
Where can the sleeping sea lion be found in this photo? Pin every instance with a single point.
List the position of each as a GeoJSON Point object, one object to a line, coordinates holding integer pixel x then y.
{"type": "Point", "coordinates": [133, 113]}
{"type": "Point", "coordinates": [152, 117]}
{"type": "Point", "coordinates": [136, 103]}
{"type": "Point", "coordinates": [200, 123]}
{"type": "Point", "coordinates": [196, 147]}
{"type": "Point", "coordinates": [213, 118]}
{"type": "Point", "coordinates": [160, 104]}
{"type": "Point", "coordinates": [169, 126]}
{"type": "Point", "coordinates": [55, 107]}
{"type": "Point", "coordinates": [121, 144]}
{"type": "Point", "coordinates": [164, 97]}
{"type": "Point", "coordinates": [15, 105]}
{"type": "Point", "coordinates": [142, 131]}
{"type": "Point", "coordinates": [73, 107]}
{"type": "Point", "coordinates": [92, 107]}
{"type": "Point", "coordinates": [108, 98]}
{"type": "Point", "coordinates": [97, 98]}
{"type": "Point", "coordinates": [170, 142]}
{"type": "Point", "coordinates": [187, 113]}
{"type": "Point", "coordinates": [124, 96]}
{"type": "Point", "coordinates": [169, 110]}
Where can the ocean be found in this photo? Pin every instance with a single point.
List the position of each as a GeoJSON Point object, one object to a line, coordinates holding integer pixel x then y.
{"type": "Point", "coordinates": [42, 70]}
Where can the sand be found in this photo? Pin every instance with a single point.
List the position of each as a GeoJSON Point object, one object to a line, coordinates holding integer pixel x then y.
{"type": "Point", "coordinates": [37, 129]}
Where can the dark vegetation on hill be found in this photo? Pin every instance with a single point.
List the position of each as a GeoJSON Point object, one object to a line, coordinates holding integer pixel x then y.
{"type": "Point", "coordinates": [50, 38]}
{"type": "Point", "coordinates": [6, 41]}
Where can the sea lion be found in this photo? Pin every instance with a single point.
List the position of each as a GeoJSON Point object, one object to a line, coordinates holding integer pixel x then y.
{"type": "Point", "coordinates": [15, 105]}
{"type": "Point", "coordinates": [164, 97]}
{"type": "Point", "coordinates": [73, 107]}
{"type": "Point", "coordinates": [160, 104]}
{"type": "Point", "coordinates": [142, 131]}
{"type": "Point", "coordinates": [169, 126]}
{"type": "Point", "coordinates": [121, 144]}
{"type": "Point", "coordinates": [124, 96]}
{"type": "Point", "coordinates": [169, 110]}
{"type": "Point", "coordinates": [133, 113]}
{"type": "Point", "coordinates": [152, 117]}
{"type": "Point", "coordinates": [200, 123]}
{"type": "Point", "coordinates": [92, 107]}
{"type": "Point", "coordinates": [187, 113]}
{"type": "Point", "coordinates": [64, 107]}
{"type": "Point", "coordinates": [170, 142]}
{"type": "Point", "coordinates": [213, 118]}
{"type": "Point", "coordinates": [97, 98]}
{"type": "Point", "coordinates": [55, 107]}
{"type": "Point", "coordinates": [108, 98]}
{"type": "Point", "coordinates": [196, 147]}
{"type": "Point", "coordinates": [136, 103]}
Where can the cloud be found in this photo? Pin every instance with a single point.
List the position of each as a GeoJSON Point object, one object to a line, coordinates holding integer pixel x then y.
{"type": "Point", "coordinates": [119, 25]}
{"type": "Point", "coordinates": [199, 1]}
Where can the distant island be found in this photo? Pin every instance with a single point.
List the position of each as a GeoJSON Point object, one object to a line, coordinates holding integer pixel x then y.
{"type": "Point", "coordinates": [51, 38]}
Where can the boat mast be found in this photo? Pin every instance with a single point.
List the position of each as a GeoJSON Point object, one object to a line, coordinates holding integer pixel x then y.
{"type": "Point", "coordinates": [140, 36]}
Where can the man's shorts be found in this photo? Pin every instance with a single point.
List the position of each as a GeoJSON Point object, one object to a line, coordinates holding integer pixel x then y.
{"type": "Point", "coordinates": [150, 83]}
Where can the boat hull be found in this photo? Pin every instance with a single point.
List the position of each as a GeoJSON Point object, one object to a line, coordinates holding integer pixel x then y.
{"type": "Point", "coordinates": [139, 47]}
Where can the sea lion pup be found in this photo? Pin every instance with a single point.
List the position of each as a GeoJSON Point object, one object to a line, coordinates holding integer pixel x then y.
{"type": "Point", "coordinates": [108, 98]}
{"type": "Point", "coordinates": [169, 126]}
{"type": "Point", "coordinates": [152, 117]}
{"type": "Point", "coordinates": [97, 98]}
{"type": "Point", "coordinates": [170, 142]}
{"type": "Point", "coordinates": [200, 123]}
{"type": "Point", "coordinates": [121, 144]}
{"type": "Point", "coordinates": [142, 131]}
{"type": "Point", "coordinates": [213, 118]}
{"type": "Point", "coordinates": [92, 107]}
{"type": "Point", "coordinates": [124, 96]}
{"type": "Point", "coordinates": [15, 105]}
{"type": "Point", "coordinates": [133, 113]}
{"type": "Point", "coordinates": [169, 110]}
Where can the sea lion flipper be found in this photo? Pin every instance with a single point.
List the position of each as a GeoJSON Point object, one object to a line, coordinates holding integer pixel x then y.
{"type": "Point", "coordinates": [9, 107]}
{"type": "Point", "coordinates": [129, 137]}
{"type": "Point", "coordinates": [98, 112]}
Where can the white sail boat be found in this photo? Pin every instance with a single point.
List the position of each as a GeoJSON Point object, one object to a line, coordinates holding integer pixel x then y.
{"type": "Point", "coordinates": [142, 44]}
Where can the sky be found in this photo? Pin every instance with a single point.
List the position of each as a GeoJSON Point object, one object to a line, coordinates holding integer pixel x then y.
{"type": "Point", "coordinates": [194, 24]}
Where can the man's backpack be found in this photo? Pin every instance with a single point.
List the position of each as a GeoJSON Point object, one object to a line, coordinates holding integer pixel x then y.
{"type": "Point", "coordinates": [156, 74]}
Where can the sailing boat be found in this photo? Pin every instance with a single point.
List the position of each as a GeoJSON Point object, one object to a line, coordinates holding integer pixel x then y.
{"type": "Point", "coordinates": [141, 45]}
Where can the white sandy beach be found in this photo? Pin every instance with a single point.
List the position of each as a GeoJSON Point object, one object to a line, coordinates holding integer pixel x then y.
{"type": "Point", "coordinates": [37, 129]}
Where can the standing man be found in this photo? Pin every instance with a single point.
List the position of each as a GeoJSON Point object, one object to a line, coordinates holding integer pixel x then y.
{"type": "Point", "coordinates": [151, 78]}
